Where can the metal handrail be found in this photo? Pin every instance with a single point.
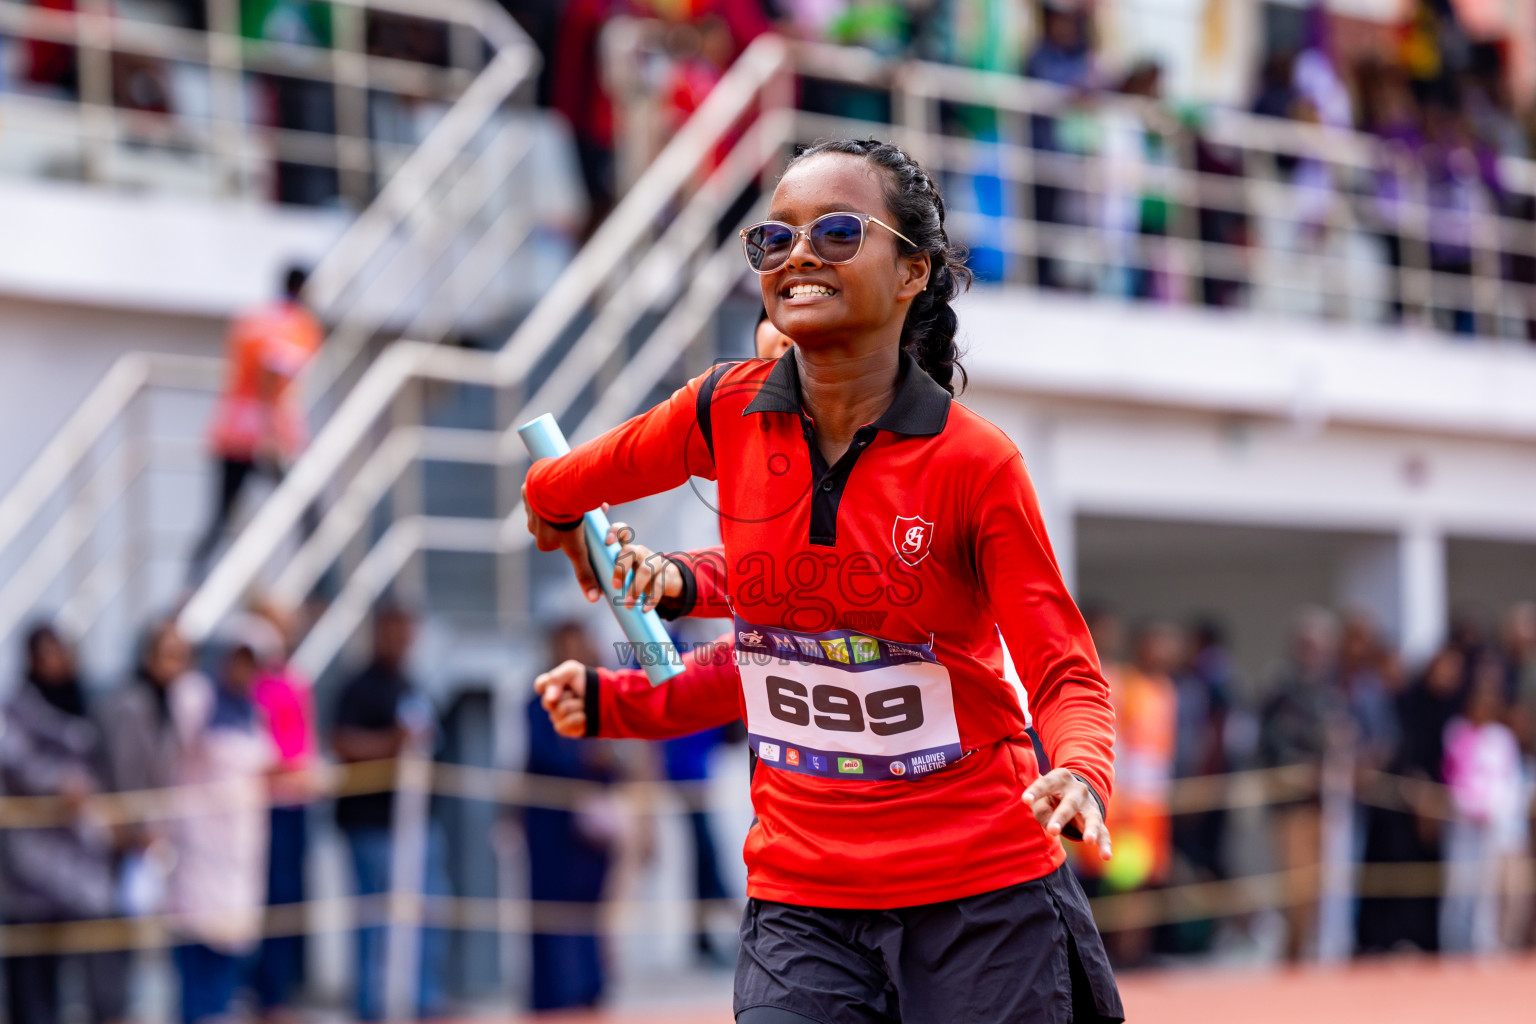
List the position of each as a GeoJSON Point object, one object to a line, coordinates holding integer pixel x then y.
{"type": "Point", "coordinates": [331, 285]}
{"type": "Point", "coordinates": [492, 165]}
{"type": "Point", "coordinates": [1262, 194]}
{"type": "Point", "coordinates": [401, 201]}
{"type": "Point", "coordinates": [95, 122]}
{"type": "Point", "coordinates": [707, 288]}
{"type": "Point", "coordinates": [1004, 91]}
{"type": "Point", "coordinates": [97, 414]}
{"type": "Point", "coordinates": [516, 61]}
{"type": "Point", "coordinates": [687, 151]}
{"type": "Point", "coordinates": [153, 39]}
{"type": "Point", "coordinates": [100, 410]}
{"type": "Point", "coordinates": [1356, 219]}
{"type": "Point", "coordinates": [766, 62]}
{"type": "Point", "coordinates": [222, 133]}
{"type": "Point", "coordinates": [410, 535]}
{"type": "Point", "coordinates": [926, 80]}
{"type": "Point", "coordinates": [733, 98]}
{"type": "Point", "coordinates": [514, 64]}
{"type": "Point", "coordinates": [427, 164]}
{"type": "Point", "coordinates": [68, 457]}
{"type": "Point", "coordinates": [185, 45]}
{"type": "Point", "coordinates": [642, 286]}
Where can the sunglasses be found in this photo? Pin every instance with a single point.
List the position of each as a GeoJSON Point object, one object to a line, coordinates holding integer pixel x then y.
{"type": "Point", "coordinates": [834, 237]}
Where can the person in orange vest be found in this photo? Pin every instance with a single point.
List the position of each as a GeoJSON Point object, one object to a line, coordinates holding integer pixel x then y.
{"type": "Point", "coordinates": [1146, 717]}
{"type": "Point", "coordinates": [1108, 631]}
{"type": "Point", "coordinates": [1145, 700]}
{"type": "Point", "coordinates": [258, 426]}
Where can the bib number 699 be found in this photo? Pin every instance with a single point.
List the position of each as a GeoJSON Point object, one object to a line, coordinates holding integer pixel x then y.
{"type": "Point", "coordinates": [892, 711]}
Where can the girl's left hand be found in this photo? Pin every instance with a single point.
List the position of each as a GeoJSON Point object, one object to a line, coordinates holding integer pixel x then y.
{"type": "Point", "coordinates": [652, 577]}
{"type": "Point", "coordinates": [1059, 799]}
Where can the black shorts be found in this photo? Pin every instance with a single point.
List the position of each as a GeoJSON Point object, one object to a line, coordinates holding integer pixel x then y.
{"type": "Point", "coordinates": [1028, 954]}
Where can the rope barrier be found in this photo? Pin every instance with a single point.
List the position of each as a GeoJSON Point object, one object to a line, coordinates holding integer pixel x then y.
{"type": "Point", "coordinates": [1234, 897]}
{"type": "Point", "coordinates": [1196, 901]}
{"type": "Point", "coordinates": [1197, 794]}
{"type": "Point", "coordinates": [360, 778]}
{"type": "Point", "coordinates": [481, 914]}
{"type": "Point", "coordinates": [1114, 912]}
{"type": "Point", "coordinates": [1252, 788]}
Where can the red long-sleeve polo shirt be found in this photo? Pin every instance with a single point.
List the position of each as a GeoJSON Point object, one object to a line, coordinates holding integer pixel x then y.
{"type": "Point", "coordinates": [926, 531]}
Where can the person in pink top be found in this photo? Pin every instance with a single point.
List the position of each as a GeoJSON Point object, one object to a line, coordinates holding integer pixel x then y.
{"type": "Point", "coordinates": [284, 694]}
{"type": "Point", "coordinates": [1482, 769]}
{"type": "Point", "coordinates": [284, 697]}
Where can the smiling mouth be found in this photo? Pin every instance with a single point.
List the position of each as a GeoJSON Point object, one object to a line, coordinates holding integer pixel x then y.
{"type": "Point", "coordinates": [807, 291]}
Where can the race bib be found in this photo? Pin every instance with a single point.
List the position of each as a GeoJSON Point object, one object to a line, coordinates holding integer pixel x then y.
{"type": "Point", "coordinates": [845, 705]}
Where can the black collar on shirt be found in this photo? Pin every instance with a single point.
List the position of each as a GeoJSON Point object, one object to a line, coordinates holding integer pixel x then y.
{"type": "Point", "coordinates": [920, 409]}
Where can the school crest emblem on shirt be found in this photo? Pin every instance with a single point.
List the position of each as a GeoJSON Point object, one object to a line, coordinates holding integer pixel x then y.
{"type": "Point", "coordinates": [911, 535]}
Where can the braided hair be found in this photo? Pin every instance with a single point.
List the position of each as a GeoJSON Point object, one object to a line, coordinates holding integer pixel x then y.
{"type": "Point", "coordinates": [918, 207]}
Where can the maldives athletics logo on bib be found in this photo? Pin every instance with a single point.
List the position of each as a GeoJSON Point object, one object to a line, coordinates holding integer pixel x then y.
{"type": "Point", "coordinates": [911, 535]}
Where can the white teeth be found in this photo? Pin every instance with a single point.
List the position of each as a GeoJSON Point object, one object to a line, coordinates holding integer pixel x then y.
{"type": "Point", "coordinates": [798, 290]}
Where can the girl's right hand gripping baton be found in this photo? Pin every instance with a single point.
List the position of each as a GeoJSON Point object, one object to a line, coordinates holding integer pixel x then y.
{"type": "Point", "coordinates": [653, 648]}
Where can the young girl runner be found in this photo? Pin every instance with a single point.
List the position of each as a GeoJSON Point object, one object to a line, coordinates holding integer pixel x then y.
{"type": "Point", "coordinates": [877, 538]}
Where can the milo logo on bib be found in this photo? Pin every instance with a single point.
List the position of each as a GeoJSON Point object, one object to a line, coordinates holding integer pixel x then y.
{"type": "Point", "coordinates": [845, 705]}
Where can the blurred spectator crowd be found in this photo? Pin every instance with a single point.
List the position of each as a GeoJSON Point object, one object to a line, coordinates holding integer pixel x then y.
{"type": "Point", "coordinates": [231, 736]}
{"type": "Point", "coordinates": [1445, 99]}
{"type": "Point", "coordinates": [187, 798]}
{"type": "Point", "coordinates": [1364, 763]}
{"type": "Point", "coordinates": [1439, 96]}
{"type": "Point", "coordinates": [179, 96]}
{"type": "Point", "coordinates": [1427, 770]}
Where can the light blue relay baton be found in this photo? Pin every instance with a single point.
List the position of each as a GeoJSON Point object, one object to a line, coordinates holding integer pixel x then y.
{"type": "Point", "coordinates": [653, 648]}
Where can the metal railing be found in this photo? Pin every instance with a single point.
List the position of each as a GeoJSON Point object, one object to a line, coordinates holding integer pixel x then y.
{"type": "Point", "coordinates": [162, 106]}
{"type": "Point", "coordinates": [73, 529]}
{"type": "Point", "coordinates": [646, 288]}
{"type": "Point", "coordinates": [1275, 886]}
{"type": "Point", "coordinates": [640, 264]}
{"type": "Point", "coordinates": [91, 476]}
{"type": "Point", "coordinates": [438, 235]}
{"type": "Point", "coordinates": [1118, 198]}
{"type": "Point", "coordinates": [1126, 199]}
{"type": "Point", "coordinates": [660, 249]}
